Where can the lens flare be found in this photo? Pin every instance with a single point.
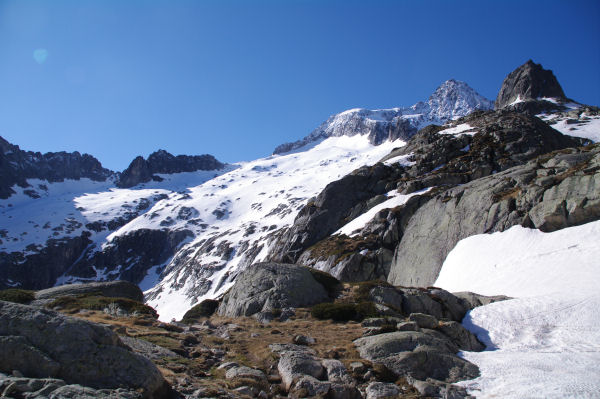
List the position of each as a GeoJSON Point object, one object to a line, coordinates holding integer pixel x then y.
{"type": "Point", "coordinates": [40, 55]}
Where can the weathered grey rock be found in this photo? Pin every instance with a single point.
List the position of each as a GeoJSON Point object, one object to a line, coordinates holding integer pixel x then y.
{"type": "Point", "coordinates": [245, 372]}
{"type": "Point", "coordinates": [80, 392]}
{"type": "Point", "coordinates": [547, 194]}
{"type": "Point", "coordinates": [44, 388]}
{"type": "Point", "coordinates": [380, 321]}
{"type": "Point", "coordinates": [358, 367]}
{"type": "Point", "coordinates": [341, 391]}
{"type": "Point", "coordinates": [382, 345]}
{"type": "Point", "coordinates": [407, 326]}
{"type": "Point", "coordinates": [293, 365]}
{"type": "Point", "coordinates": [267, 286]}
{"type": "Point", "coordinates": [147, 349]}
{"type": "Point", "coordinates": [19, 354]}
{"type": "Point", "coordinates": [246, 391]}
{"type": "Point", "coordinates": [20, 386]}
{"type": "Point", "coordinates": [439, 389]}
{"type": "Point", "coordinates": [427, 362]}
{"type": "Point", "coordinates": [424, 320]}
{"type": "Point", "coordinates": [382, 390]}
{"type": "Point", "coordinates": [388, 296]}
{"type": "Point", "coordinates": [118, 289]}
{"type": "Point", "coordinates": [281, 348]}
{"type": "Point", "coordinates": [227, 365]}
{"type": "Point", "coordinates": [335, 371]}
{"type": "Point", "coordinates": [474, 300]}
{"type": "Point", "coordinates": [304, 340]}
{"type": "Point", "coordinates": [529, 81]}
{"type": "Point", "coordinates": [462, 337]}
{"type": "Point", "coordinates": [308, 386]}
{"type": "Point", "coordinates": [88, 354]}
{"type": "Point", "coordinates": [420, 355]}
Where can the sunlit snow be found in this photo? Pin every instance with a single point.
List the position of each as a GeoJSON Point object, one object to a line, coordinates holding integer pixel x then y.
{"type": "Point", "coordinates": [395, 199]}
{"type": "Point", "coordinates": [244, 206]}
{"type": "Point", "coordinates": [545, 343]}
{"type": "Point", "coordinates": [463, 128]}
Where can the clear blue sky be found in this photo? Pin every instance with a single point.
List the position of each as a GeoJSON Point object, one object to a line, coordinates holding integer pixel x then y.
{"type": "Point", "coordinates": [234, 79]}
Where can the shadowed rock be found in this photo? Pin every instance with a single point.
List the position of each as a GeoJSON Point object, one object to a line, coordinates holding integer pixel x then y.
{"type": "Point", "coordinates": [86, 353]}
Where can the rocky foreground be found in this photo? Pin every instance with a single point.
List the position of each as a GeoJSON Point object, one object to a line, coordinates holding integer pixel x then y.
{"type": "Point", "coordinates": [282, 330]}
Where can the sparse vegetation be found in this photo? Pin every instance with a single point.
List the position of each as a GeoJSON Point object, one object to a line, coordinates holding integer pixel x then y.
{"type": "Point", "coordinates": [344, 311]}
{"type": "Point", "coordinates": [17, 295]}
{"type": "Point", "coordinates": [362, 289]}
{"type": "Point", "coordinates": [73, 304]}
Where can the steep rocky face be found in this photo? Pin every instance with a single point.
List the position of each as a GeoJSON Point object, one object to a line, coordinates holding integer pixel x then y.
{"type": "Point", "coordinates": [451, 100]}
{"type": "Point", "coordinates": [141, 170]}
{"type": "Point", "coordinates": [529, 82]}
{"type": "Point", "coordinates": [478, 145]}
{"type": "Point", "coordinates": [549, 193]}
{"type": "Point", "coordinates": [41, 269]}
{"type": "Point", "coordinates": [16, 166]}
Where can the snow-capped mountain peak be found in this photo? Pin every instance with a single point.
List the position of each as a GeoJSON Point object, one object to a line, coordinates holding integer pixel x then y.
{"type": "Point", "coordinates": [451, 100]}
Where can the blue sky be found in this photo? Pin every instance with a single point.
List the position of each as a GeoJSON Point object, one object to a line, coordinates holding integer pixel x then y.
{"type": "Point", "coordinates": [234, 79]}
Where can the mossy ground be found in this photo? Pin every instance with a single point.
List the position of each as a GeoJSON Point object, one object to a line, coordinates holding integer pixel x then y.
{"type": "Point", "coordinates": [71, 304]}
{"type": "Point", "coordinates": [17, 295]}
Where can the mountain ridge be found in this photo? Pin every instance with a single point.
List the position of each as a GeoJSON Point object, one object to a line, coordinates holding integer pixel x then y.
{"type": "Point", "coordinates": [451, 99]}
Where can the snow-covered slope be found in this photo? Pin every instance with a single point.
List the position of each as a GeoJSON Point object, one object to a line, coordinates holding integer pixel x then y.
{"type": "Point", "coordinates": [580, 121]}
{"type": "Point", "coordinates": [240, 210]}
{"type": "Point", "coordinates": [545, 343]}
{"type": "Point", "coordinates": [451, 100]}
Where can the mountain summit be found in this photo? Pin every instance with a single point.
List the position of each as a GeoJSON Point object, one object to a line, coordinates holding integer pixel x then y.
{"type": "Point", "coordinates": [451, 100]}
{"type": "Point", "coordinates": [529, 82]}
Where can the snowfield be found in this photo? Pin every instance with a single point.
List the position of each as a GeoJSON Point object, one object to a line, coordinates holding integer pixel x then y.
{"type": "Point", "coordinates": [544, 343]}
{"type": "Point", "coordinates": [242, 208]}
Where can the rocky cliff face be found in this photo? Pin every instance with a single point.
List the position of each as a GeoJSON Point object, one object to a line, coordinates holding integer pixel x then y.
{"type": "Point", "coordinates": [529, 82]}
{"type": "Point", "coordinates": [471, 148]}
{"type": "Point", "coordinates": [16, 166]}
{"type": "Point", "coordinates": [452, 99]}
{"type": "Point", "coordinates": [143, 170]}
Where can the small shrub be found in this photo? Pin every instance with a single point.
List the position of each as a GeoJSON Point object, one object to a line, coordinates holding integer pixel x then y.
{"type": "Point", "coordinates": [17, 295]}
{"type": "Point", "coordinates": [93, 302]}
{"type": "Point", "coordinates": [366, 309]}
{"type": "Point", "coordinates": [364, 288]}
{"type": "Point", "coordinates": [206, 308]}
{"type": "Point", "coordinates": [344, 311]}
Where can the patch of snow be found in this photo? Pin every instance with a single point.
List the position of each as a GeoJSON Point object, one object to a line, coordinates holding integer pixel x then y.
{"type": "Point", "coordinates": [517, 101]}
{"type": "Point", "coordinates": [545, 343]}
{"type": "Point", "coordinates": [463, 128]}
{"type": "Point", "coordinates": [353, 227]}
{"type": "Point", "coordinates": [588, 127]}
{"type": "Point", "coordinates": [403, 160]}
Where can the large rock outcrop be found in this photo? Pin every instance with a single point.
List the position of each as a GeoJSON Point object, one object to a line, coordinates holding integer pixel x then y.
{"type": "Point", "coordinates": [111, 289]}
{"type": "Point", "coordinates": [143, 170]}
{"type": "Point", "coordinates": [494, 141]}
{"type": "Point", "coordinates": [554, 191]}
{"type": "Point", "coordinates": [529, 82]}
{"type": "Point", "coordinates": [16, 166]}
{"type": "Point", "coordinates": [267, 286]}
{"type": "Point", "coordinates": [74, 350]}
